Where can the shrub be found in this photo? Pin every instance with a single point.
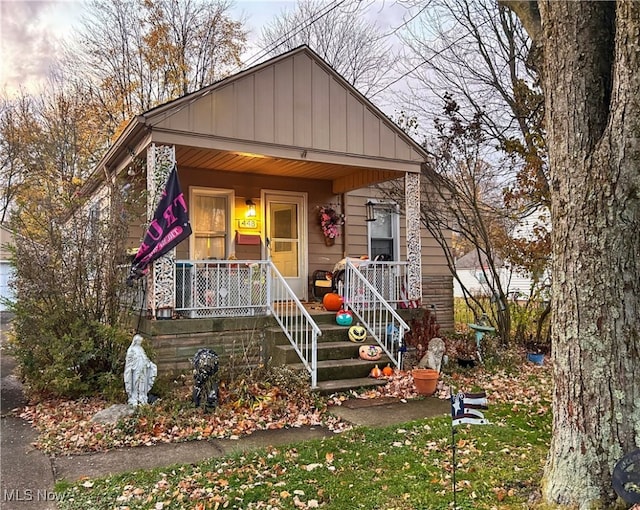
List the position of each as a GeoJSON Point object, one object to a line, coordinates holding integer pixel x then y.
{"type": "Point", "coordinates": [424, 328]}
{"type": "Point", "coordinates": [70, 334]}
{"type": "Point", "coordinates": [69, 357]}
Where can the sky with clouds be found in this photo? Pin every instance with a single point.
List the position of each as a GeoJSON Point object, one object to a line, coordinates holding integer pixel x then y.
{"type": "Point", "coordinates": [32, 32]}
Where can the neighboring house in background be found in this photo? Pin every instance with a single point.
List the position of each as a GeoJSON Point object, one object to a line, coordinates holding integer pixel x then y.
{"type": "Point", "coordinates": [5, 269]}
{"type": "Point", "coordinates": [258, 154]}
{"type": "Point", "coordinates": [516, 284]}
{"type": "Point", "coordinates": [471, 271]}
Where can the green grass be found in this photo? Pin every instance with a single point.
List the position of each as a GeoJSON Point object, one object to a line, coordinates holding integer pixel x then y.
{"type": "Point", "coordinates": [400, 467]}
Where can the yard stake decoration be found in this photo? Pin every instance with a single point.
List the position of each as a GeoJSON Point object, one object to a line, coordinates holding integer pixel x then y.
{"type": "Point", "coordinates": [465, 408]}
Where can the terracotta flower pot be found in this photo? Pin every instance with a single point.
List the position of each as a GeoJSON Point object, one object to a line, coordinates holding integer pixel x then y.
{"type": "Point", "coordinates": [425, 380]}
{"type": "Point", "coordinates": [329, 241]}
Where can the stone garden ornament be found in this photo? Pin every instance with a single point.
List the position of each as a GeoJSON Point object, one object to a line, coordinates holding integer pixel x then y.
{"type": "Point", "coordinates": [433, 358]}
{"type": "Point", "coordinates": [139, 373]}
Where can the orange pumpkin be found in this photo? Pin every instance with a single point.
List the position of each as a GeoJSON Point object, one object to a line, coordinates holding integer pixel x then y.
{"type": "Point", "coordinates": [387, 371]}
{"type": "Point", "coordinates": [375, 372]}
{"type": "Point", "coordinates": [332, 301]}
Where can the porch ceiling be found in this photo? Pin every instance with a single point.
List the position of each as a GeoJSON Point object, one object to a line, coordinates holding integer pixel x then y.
{"type": "Point", "coordinates": [344, 177]}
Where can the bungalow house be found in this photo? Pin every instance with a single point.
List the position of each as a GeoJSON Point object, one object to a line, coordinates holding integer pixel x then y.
{"type": "Point", "coordinates": [258, 154]}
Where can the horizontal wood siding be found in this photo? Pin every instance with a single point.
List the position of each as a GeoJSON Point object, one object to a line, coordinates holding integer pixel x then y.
{"type": "Point", "coordinates": [438, 291]}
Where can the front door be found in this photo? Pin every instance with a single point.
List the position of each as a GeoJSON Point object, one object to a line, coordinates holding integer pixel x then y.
{"type": "Point", "coordinates": [285, 233]}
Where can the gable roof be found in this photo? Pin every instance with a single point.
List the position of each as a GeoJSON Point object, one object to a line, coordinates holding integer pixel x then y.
{"type": "Point", "coordinates": [471, 260]}
{"type": "Point", "coordinates": [293, 107]}
{"type": "Point", "coordinates": [295, 99]}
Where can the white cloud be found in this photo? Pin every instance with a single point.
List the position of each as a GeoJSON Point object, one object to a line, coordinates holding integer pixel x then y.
{"type": "Point", "coordinates": [31, 33]}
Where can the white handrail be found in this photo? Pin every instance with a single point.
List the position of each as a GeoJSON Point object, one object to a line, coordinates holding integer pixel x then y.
{"type": "Point", "coordinates": [374, 312]}
{"type": "Point", "coordinates": [295, 321]}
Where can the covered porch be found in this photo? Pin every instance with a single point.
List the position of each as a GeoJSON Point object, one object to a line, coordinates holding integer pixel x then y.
{"type": "Point", "coordinates": [258, 155]}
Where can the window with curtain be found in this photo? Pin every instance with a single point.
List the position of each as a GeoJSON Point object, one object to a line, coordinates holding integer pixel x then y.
{"type": "Point", "coordinates": [210, 223]}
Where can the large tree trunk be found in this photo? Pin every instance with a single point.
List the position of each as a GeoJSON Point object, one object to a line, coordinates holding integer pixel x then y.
{"type": "Point", "coordinates": [591, 76]}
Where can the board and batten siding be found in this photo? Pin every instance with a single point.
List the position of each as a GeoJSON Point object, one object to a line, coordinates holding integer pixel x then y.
{"type": "Point", "coordinates": [294, 102]}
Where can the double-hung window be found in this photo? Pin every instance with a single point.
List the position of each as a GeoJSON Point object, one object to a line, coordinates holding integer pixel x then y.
{"type": "Point", "coordinates": [210, 213]}
{"type": "Point", "coordinates": [384, 231]}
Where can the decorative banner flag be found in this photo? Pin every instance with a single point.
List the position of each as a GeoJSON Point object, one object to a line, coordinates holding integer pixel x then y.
{"type": "Point", "coordinates": [169, 226]}
{"type": "Point", "coordinates": [405, 302]}
{"type": "Point", "coordinates": [466, 408]}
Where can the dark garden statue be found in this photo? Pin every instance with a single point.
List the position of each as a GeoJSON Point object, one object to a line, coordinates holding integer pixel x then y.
{"type": "Point", "coordinates": [139, 373]}
{"type": "Point", "coordinates": [205, 367]}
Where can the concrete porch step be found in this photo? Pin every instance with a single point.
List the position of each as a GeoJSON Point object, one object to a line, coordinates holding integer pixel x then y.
{"type": "Point", "coordinates": [344, 385]}
{"type": "Point", "coordinates": [339, 366]}
{"type": "Point", "coordinates": [284, 354]}
{"type": "Point", "coordinates": [330, 333]}
{"type": "Point", "coordinates": [351, 368]}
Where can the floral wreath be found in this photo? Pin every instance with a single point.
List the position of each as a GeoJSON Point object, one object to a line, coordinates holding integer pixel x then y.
{"type": "Point", "coordinates": [330, 220]}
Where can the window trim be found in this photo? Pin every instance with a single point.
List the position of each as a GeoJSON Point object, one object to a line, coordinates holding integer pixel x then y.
{"type": "Point", "coordinates": [393, 209]}
{"type": "Point", "coordinates": [231, 200]}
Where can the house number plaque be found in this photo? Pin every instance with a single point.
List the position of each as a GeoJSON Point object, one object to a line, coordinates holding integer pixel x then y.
{"type": "Point", "coordinates": [248, 224]}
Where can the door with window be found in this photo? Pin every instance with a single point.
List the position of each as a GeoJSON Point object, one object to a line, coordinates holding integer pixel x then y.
{"type": "Point", "coordinates": [285, 231]}
{"type": "Point", "coordinates": [384, 246]}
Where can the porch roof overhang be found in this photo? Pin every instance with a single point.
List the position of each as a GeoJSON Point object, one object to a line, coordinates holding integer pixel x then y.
{"type": "Point", "coordinates": [346, 171]}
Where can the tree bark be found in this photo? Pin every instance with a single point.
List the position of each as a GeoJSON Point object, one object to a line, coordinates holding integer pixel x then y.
{"type": "Point", "coordinates": [591, 73]}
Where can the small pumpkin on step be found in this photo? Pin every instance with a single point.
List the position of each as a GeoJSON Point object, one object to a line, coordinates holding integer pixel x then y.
{"type": "Point", "coordinates": [375, 372]}
{"type": "Point", "coordinates": [387, 371]}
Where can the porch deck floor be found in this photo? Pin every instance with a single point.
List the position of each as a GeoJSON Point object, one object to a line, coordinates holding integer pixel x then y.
{"type": "Point", "coordinates": [313, 307]}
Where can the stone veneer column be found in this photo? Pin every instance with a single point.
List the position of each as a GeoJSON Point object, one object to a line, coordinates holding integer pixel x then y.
{"type": "Point", "coordinates": [160, 281]}
{"type": "Point", "coordinates": [414, 244]}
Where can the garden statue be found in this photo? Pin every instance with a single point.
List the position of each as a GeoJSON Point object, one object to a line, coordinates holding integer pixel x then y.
{"type": "Point", "coordinates": [433, 357]}
{"type": "Point", "coordinates": [139, 373]}
{"type": "Point", "coordinates": [205, 368]}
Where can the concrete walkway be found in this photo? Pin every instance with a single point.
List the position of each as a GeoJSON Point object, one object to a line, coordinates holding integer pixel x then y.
{"type": "Point", "coordinates": [27, 475]}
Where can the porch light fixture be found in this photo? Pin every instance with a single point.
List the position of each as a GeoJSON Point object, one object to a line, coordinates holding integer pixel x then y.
{"type": "Point", "coordinates": [370, 212]}
{"type": "Point", "coordinates": [251, 209]}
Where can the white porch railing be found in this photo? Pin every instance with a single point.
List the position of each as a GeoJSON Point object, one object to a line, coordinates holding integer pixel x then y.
{"type": "Point", "coordinates": [295, 321]}
{"type": "Point", "coordinates": [237, 288]}
{"type": "Point", "coordinates": [372, 309]}
{"type": "Point", "coordinates": [221, 288]}
{"type": "Point", "coordinates": [389, 278]}
{"type": "Point", "coordinates": [240, 288]}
